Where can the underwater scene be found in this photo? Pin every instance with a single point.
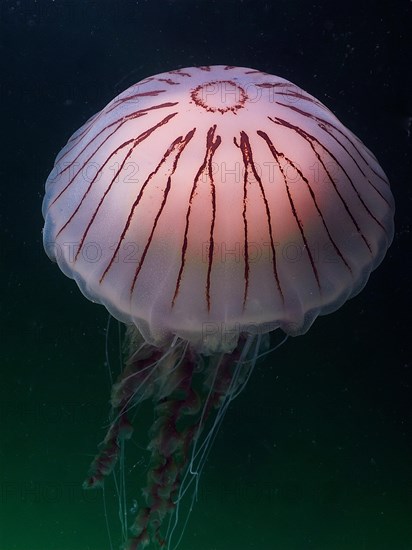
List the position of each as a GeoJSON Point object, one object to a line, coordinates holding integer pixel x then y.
{"type": "Point", "coordinates": [206, 269]}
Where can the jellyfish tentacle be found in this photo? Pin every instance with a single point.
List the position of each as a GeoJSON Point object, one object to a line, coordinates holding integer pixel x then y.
{"type": "Point", "coordinates": [186, 388]}
{"type": "Point", "coordinates": [131, 383]}
{"type": "Point", "coordinates": [171, 436]}
{"type": "Point", "coordinates": [224, 378]}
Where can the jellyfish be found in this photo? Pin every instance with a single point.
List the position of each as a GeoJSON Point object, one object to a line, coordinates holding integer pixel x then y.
{"type": "Point", "coordinates": [207, 208]}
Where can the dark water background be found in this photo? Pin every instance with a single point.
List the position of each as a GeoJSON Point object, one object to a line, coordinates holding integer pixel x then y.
{"type": "Point", "coordinates": [316, 454]}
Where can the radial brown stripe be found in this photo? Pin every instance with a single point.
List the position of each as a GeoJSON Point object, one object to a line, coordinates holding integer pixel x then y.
{"type": "Point", "coordinates": [126, 99]}
{"type": "Point", "coordinates": [121, 120]}
{"type": "Point", "coordinates": [271, 85]}
{"type": "Point", "coordinates": [147, 80]}
{"type": "Point", "coordinates": [85, 162]}
{"type": "Point", "coordinates": [125, 144]}
{"type": "Point", "coordinates": [324, 128]}
{"type": "Point", "coordinates": [246, 161]}
{"type": "Point", "coordinates": [307, 137]}
{"type": "Point", "coordinates": [77, 136]}
{"type": "Point", "coordinates": [276, 154]}
{"type": "Point", "coordinates": [312, 194]}
{"type": "Point", "coordinates": [179, 72]}
{"type": "Point", "coordinates": [249, 158]}
{"type": "Point", "coordinates": [311, 138]}
{"type": "Point", "coordinates": [321, 120]}
{"type": "Point", "coordinates": [93, 217]}
{"type": "Point", "coordinates": [85, 146]}
{"type": "Point", "coordinates": [323, 124]}
{"type": "Point", "coordinates": [182, 146]}
{"type": "Point", "coordinates": [211, 146]}
{"type": "Point", "coordinates": [136, 142]}
{"type": "Point", "coordinates": [168, 81]}
{"type": "Point", "coordinates": [169, 151]}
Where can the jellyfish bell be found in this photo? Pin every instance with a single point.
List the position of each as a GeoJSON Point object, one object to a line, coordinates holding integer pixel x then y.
{"type": "Point", "coordinates": [206, 208]}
